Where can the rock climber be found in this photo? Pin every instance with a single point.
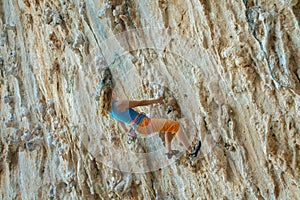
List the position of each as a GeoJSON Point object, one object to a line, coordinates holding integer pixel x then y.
{"type": "Point", "coordinates": [122, 110]}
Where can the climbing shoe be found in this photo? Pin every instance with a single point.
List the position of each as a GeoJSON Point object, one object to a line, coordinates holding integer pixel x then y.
{"type": "Point", "coordinates": [195, 150]}
{"type": "Point", "coordinates": [172, 153]}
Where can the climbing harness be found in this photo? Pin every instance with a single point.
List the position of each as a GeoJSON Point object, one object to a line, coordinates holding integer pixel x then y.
{"type": "Point", "coordinates": [132, 136]}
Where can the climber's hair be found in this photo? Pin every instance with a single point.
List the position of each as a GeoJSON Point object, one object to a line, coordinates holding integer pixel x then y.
{"type": "Point", "coordinates": [105, 100]}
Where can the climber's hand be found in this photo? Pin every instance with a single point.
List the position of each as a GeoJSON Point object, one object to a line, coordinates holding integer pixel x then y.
{"type": "Point", "coordinates": [160, 100]}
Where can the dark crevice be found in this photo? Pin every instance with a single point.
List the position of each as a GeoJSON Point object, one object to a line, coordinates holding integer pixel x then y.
{"type": "Point", "coordinates": [296, 10]}
{"type": "Point", "coordinates": [249, 17]}
{"type": "Point", "coordinates": [2, 11]}
{"type": "Point", "coordinates": [164, 10]}
{"type": "Point", "coordinates": [128, 14]}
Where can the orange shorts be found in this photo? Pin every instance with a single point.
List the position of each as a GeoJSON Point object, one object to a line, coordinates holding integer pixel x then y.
{"type": "Point", "coordinates": [152, 125]}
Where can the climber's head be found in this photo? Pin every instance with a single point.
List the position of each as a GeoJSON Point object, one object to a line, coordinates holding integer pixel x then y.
{"type": "Point", "coordinates": [105, 101]}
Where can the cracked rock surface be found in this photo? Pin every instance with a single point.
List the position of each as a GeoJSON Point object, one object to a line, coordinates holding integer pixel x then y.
{"type": "Point", "coordinates": [229, 72]}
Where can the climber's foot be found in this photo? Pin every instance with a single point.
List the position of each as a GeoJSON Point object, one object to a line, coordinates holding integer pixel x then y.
{"type": "Point", "coordinates": [172, 153]}
{"type": "Point", "coordinates": [195, 150]}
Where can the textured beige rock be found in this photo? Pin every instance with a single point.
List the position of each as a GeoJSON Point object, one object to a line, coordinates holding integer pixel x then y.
{"type": "Point", "coordinates": [231, 66]}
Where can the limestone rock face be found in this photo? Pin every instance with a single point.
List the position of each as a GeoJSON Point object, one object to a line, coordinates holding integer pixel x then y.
{"type": "Point", "coordinates": [229, 72]}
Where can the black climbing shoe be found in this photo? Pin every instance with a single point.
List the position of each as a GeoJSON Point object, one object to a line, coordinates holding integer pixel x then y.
{"type": "Point", "coordinates": [195, 150]}
{"type": "Point", "coordinates": [173, 153]}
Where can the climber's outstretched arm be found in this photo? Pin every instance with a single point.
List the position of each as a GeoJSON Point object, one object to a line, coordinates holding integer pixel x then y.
{"type": "Point", "coordinates": [123, 104]}
{"type": "Point", "coordinates": [133, 104]}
